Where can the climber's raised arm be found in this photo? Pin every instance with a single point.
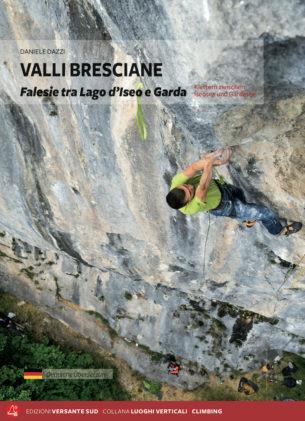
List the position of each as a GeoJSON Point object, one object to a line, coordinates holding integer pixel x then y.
{"type": "Point", "coordinates": [219, 157]}
{"type": "Point", "coordinates": [194, 168]}
{"type": "Point", "coordinates": [205, 180]}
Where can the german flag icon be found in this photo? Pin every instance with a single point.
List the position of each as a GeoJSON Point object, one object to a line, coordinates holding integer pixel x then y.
{"type": "Point", "coordinates": [33, 374]}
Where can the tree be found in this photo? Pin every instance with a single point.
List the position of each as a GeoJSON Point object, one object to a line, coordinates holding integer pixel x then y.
{"type": "Point", "coordinates": [19, 352]}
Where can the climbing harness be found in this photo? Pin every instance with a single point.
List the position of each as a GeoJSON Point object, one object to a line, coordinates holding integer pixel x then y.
{"type": "Point", "coordinates": [142, 127]}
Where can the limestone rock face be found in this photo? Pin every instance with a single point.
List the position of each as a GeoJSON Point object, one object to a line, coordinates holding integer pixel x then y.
{"type": "Point", "coordinates": [85, 230]}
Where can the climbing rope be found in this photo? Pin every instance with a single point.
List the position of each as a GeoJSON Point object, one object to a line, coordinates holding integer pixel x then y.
{"type": "Point", "coordinates": [142, 127]}
{"type": "Point", "coordinates": [221, 180]}
{"type": "Point", "coordinates": [205, 244]}
{"type": "Point", "coordinates": [298, 275]}
{"type": "Point", "coordinates": [290, 271]}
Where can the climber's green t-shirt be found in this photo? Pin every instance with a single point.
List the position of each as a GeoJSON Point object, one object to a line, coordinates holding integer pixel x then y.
{"type": "Point", "coordinates": [212, 199]}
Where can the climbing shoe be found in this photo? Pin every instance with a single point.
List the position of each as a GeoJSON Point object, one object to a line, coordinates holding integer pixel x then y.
{"type": "Point", "coordinates": [250, 223]}
{"type": "Point", "coordinates": [291, 228]}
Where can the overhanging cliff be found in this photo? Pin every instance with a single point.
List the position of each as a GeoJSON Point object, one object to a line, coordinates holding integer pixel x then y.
{"type": "Point", "coordinates": [85, 230]}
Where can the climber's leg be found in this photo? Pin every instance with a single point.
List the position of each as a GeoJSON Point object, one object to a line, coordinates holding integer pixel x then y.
{"type": "Point", "coordinates": [226, 205]}
{"type": "Point", "coordinates": [228, 194]}
{"type": "Point", "coordinates": [235, 192]}
{"type": "Point", "coordinates": [291, 228]}
{"type": "Point", "coordinates": [253, 211]}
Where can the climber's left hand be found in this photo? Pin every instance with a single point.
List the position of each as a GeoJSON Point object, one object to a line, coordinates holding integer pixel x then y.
{"type": "Point", "coordinates": [222, 156]}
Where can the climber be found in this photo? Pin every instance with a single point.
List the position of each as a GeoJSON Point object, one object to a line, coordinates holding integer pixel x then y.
{"type": "Point", "coordinates": [247, 386]}
{"type": "Point", "coordinates": [192, 192]}
{"type": "Point", "coordinates": [6, 321]}
{"type": "Point", "coordinates": [174, 368]}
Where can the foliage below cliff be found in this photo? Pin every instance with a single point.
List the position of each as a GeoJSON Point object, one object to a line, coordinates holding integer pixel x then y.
{"type": "Point", "coordinates": [19, 352]}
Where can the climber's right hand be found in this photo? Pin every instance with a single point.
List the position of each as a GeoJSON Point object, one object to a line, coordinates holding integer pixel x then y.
{"type": "Point", "coordinates": [223, 157]}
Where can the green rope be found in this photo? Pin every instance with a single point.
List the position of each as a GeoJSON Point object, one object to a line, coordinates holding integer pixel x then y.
{"type": "Point", "coordinates": [142, 127]}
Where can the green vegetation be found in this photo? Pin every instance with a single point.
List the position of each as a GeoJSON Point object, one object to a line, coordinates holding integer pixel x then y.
{"type": "Point", "coordinates": [127, 295]}
{"type": "Point", "coordinates": [28, 272]}
{"type": "Point", "coordinates": [277, 390]}
{"type": "Point", "coordinates": [19, 352]}
{"type": "Point", "coordinates": [39, 325]}
{"type": "Point", "coordinates": [111, 331]}
{"type": "Point", "coordinates": [57, 292]}
{"type": "Point", "coordinates": [33, 349]}
{"type": "Point", "coordinates": [153, 387]}
{"type": "Point", "coordinates": [154, 356]}
{"type": "Point", "coordinates": [218, 393]}
{"type": "Point", "coordinates": [226, 389]}
{"type": "Point", "coordinates": [255, 377]}
{"type": "Point", "coordinates": [218, 325]}
{"type": "Point", "coordinates": [98, 316]}
{"type": "Point", "coordinates": [226, 308]}
{"type": "Point", "coordinates": [235, 311]}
